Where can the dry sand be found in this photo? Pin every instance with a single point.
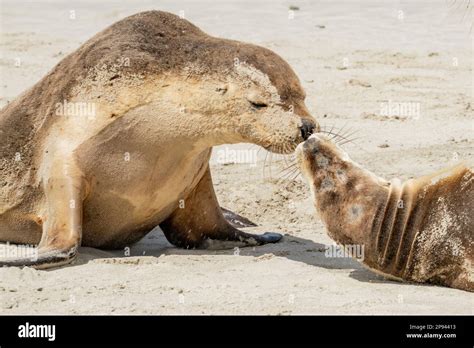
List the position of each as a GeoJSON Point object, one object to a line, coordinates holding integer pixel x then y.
{"type": "Point", "coordinates": [351, 56]}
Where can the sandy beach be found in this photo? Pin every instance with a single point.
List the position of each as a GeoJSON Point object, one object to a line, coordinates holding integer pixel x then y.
{"type": "Point", "coordinates": [398, 75]}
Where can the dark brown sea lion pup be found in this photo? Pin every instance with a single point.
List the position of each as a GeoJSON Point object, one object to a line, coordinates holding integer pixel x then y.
{"type": "Point", "coordinates": [116, 139]}
{"type": "Point", "coordinates": [421, 230]}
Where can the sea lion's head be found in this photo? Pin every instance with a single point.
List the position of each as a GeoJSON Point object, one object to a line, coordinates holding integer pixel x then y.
{"type": "Point", "coordinates": [346, 195]}
{"type": "Point", "coordinates": [267, 102]}
{"type": "Point", "coordinates": [250, 94]}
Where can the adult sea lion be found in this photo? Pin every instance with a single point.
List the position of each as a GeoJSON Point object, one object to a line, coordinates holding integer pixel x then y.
{"type": "Point", "coordinates": [116, 139]}
{"type": "Point", "coordinates": [421, 230]}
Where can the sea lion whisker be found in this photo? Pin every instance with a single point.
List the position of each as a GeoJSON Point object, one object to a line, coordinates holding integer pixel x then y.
{"type": "Point", "coordinates": [337, 132]}
{"type": "Point", "coordinates": [270, 166]}
{"type": "Point", "coordinates": [346, 131]}
{"type": "Point", "coordinates": [264, 164]}
{"type": "Point", "coordinates": [337, 137]}
{"type": "Point", "coordinates": [291, 160]}
{"type": "Point", "coordinates": [347, 138]}
{"type": "Point", "coordinates": [322, 127]}
{"type": "Point", "coordinates": [349, 141]}
{"type": "Point", "coordinates": [332, 128]}
{"type": "Point", "coordinates": [281, 180]}
{"type": "Point", "coordinates": [351, 132]}
{"type": "Point", "coordinates": [288, 175]}
{"type": "Point", "coordinates": [329, 133]}
{"type": "Point", "coordinates": [298, 173]}
{"type": "Point", "coordinates": [290, 167]}
{"type": "Point", "coordinates": [343, 128]}
{"type": "Point", "coordinates": [298, 176]}
{"type": "Point", "coordinates": [288, 170]}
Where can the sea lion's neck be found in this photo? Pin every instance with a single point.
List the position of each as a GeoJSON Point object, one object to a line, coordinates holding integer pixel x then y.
{"type": "Point", "coordinates": [352, 208]}
{"type": "Point", "coordinates": [408, 212]}
{"type": "Point", "coordinates": [395, 225]}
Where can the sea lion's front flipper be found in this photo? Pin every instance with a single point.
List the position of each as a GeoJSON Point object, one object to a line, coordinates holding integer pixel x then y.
{"type": "Point", "coordinates": [41, 259]}
{"type": "Point", "coordinates": [62, 222]}
{"type": "Point", "coordinates": [237, 220]}
{"type": "Point", "coordinates": [201, 224]}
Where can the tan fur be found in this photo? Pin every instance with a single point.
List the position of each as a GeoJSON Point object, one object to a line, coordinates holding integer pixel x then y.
{"type": "Point", "coordinates": [164, 93]}
{"type": "Point", "coordinates": [421, 230]}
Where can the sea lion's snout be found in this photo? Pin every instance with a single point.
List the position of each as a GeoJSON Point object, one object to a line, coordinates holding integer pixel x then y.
{"type": "Point", "coordinates": [308, 154]}
{"type": "Point", "coordinates": [313, 146]}
{"type": "Point", "coordinates": [307, 128]}
{"type": "Point", "coordinates": [319, 156]}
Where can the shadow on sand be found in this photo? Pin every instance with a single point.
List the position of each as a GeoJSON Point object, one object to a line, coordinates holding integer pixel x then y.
{"type": "Point", "coordinates": [293, 248]}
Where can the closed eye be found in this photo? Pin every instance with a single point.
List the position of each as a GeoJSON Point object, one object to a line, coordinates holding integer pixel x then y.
{"type": "Point", "coordinates": [258, 105]}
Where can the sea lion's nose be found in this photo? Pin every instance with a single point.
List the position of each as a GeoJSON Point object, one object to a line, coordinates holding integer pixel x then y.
{"type": "Point", "coordinates": [311, 146]}
{"type": "Point", "coordinates": [307, 128]}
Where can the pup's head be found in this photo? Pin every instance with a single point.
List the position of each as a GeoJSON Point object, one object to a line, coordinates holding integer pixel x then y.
{"type": "Point", "coordinates": [345, 194]}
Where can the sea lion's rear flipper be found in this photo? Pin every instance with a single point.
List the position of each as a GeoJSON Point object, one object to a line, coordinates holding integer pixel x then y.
{"type": "Point", "coordinates": [41, 259]}
{"type": "Point", "coordinates": [62, 225]}
{"type": "Point", "coordinates": [236, 220]}
{"type": "Point", "coordinates": [201, 224]}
